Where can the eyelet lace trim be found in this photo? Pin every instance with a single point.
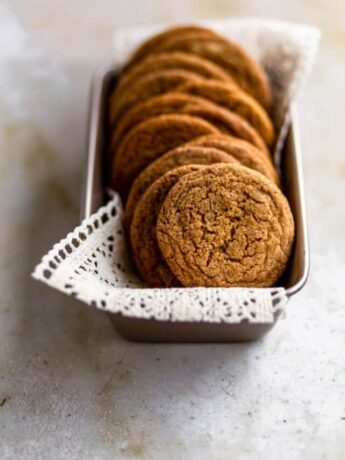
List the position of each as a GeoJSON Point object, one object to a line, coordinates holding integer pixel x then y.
{"type": "Point", "coordinates": [92, 264]}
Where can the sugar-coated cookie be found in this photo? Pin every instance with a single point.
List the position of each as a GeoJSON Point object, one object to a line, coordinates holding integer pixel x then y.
{"type": "Point", "coordinates": [243, 151]}
{"type": "Point", "coordinates": [173, 60]}
{"type": "Point", "coordinates": [148, 141]}
{"type": "Point", "coordinates": [225, 120]}
{"type": "Point", "coordinates": [152, 84]}
{"type": "Point", "coordinates": [180, 156]}
{"type": "Point", "coordinates": [225, 225]}
{"type": "Point", "coordinates": [233, 98]}
{"type": "Point", "coordinates": [145, 250]}
{"type": "Point", "coordinates": [247, 73]}
{"type": "Point", "coordinates": [154, 42]}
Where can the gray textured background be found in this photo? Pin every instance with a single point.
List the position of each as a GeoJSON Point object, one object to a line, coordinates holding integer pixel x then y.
{"type": "Point", "coordinates": [72, 389]}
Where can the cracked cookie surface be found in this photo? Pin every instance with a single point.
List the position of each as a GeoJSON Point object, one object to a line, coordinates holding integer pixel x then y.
{"type": "Point", "coordinates": [225, 120]}
{"type": "Point", "coordinates": [148, 141]}
{"type": "Point", "coordinates": [225, 226]}
{"type": "Point", "coordinates": [180, 156]}
{"type": "Point", "coordinates": [145, 250]}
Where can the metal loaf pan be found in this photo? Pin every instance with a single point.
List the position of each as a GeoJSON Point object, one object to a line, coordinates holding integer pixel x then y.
{"type": "Point", "coordinates": [94, 196]}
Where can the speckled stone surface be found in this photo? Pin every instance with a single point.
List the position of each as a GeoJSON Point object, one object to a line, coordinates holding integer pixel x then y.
{"type": "Point", "coordinates": [70, 388]}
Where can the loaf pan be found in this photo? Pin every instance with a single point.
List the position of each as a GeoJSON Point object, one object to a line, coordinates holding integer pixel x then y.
{"type": "Point", "coordinates": [94, 196]}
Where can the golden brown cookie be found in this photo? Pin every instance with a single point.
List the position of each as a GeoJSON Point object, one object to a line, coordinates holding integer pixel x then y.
{"type": "Point", "coordinates": [247, 73]}
{"type": "Point", "coordinates": [148, 141]}
{"type": "Point", "coordinates": [145, 251]}
{"type": "Point", "coordinates": [225, 226]}
{"type": "Point", "coordinates": [223, 119]}
{"type": "Point", "coordinates": [152, 43]}
{"type": "Point", "coordinates": [244, 152]}
{"type": "Point", "coordinates": [181, 156]}
{"type": "Point", "coordinates": [174, 60]}
{"type": "Point", "coordinates": [158, 82]}
{"type": "Point", "coordinates": [233, 98]}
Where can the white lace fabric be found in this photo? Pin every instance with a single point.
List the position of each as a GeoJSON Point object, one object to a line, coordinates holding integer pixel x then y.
{"type": "Point", "coordinates": [92, 263]}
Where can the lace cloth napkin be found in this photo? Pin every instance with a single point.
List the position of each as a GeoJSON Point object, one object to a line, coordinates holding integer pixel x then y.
{"type": "Point", "coordinates": [92, 262]}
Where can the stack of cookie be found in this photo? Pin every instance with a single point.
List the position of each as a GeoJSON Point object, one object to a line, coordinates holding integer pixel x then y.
{"type": "Point", "coordinates": [190, 155]}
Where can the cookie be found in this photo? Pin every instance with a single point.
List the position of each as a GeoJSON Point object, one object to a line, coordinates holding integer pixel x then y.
{"type": "Point", "coordinates": [246, 72]}
{"type": "Point", "coordinates": [233, 98]}
{"type": "Point", "coordinates": [145, 251]}
{"type": "Point", "coordinates": [148, 141]}
{"type": "Point", "coordinates": [225, 226]}
{"type": "Point", "coordinates": [244, 152]}
{"type": "Point", "coordinates": [226, 121]}
{"type": "Point", "coordinates": [180, 156]}
{"type": "Point", "coordinates": [158, 82]}
{"type": "Point", "coordinates": [157, 40]}
{"type": "Point", "coordinates": [174, 60]}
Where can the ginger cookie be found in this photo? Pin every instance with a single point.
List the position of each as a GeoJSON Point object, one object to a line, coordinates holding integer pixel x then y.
{"type": "Point", "coordinates": [233, 98]}
{"type": "Point", "coordinates": [176, 61]}
{"type": "Point", "coordinates": [148, 141]}
{"type": "Point", "coordinates": [223, 119]}
{"type": "Point", "coordinates": [175, 158]}
{"type": "Point", "coordinates": [157, 40]}
{"type": "Point", "coordinates": [245, 153]}
{"type": "Point", "coordinates": [145, 250]}
{"type": "Point", "coordinates": [225, 226]}
{"type": "Point", "coordinates": [158, 82]}
{"type": "Point", "coordinates": [246, 72]}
